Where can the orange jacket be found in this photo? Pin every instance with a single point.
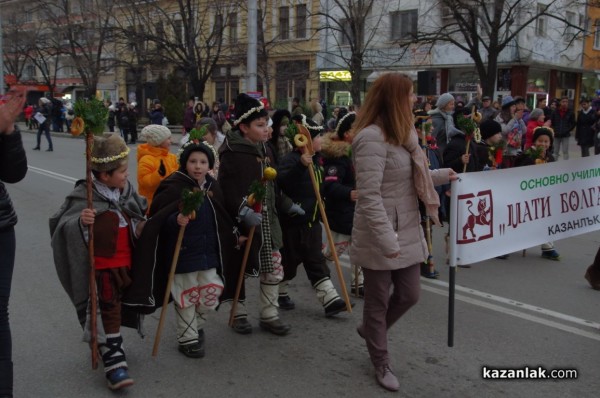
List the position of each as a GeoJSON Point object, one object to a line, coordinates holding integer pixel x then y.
{"type": "Point", "coordinates": [149, 158]}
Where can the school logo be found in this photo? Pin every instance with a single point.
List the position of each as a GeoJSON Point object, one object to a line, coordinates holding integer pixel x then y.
{"type": "Point", "coordinates": [475, 214]}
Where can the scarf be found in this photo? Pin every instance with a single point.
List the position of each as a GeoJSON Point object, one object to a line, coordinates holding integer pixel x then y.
{"type": "Point", "coordinates": [422, 179]}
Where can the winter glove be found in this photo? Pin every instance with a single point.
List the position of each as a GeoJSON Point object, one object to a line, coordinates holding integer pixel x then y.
{"type": "Point", "coordinates": [250, 217]}
{"type": "Point", "coordinates": [296, 210]}
{"type": "Point", "coordinates": [162, 171]}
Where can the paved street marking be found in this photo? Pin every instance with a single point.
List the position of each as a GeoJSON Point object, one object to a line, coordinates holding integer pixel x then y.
{"type": "Point", "coordinates": [345, 261]}
{"type": "Point", "coordinates": [507, 301]}
{"type": "Point", "coordinates": [51, 174]}
{"type": "Point", "coordinates": [517, 314]}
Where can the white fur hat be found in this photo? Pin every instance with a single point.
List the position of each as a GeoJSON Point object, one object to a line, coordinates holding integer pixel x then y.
{"type": "Point", "coordinates": [155, 134]}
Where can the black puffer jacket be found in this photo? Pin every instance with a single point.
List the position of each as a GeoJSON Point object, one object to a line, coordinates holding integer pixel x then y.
{"type": "Point", "coordinates": [339, 181]}
{"type": "Point", "coordinates": [294, 179]}
{"type": "Point", "coordinates": [13, 167]}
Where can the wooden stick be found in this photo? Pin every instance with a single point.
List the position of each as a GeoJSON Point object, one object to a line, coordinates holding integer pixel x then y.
{"type": "Point", "coordinates": [163, 311]}
{"type": "Point", "coordinates": [356, 272]}
{"type": "Point", "coordinates": [238, 287]}
{"type": "Point", "coordinates": [92, 276]}
{"type": "Point", "coordinates": [466, 153]}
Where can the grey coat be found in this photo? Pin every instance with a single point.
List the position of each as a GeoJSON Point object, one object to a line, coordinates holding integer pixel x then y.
{"type": "Point", "coordinates": [68, 242]}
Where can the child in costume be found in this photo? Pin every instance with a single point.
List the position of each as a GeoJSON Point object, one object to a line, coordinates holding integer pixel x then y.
{"type": "Point", "coordinates": [243, 163]}
{"type": "Point", "coordinates": [117, 218]}
{"type": "Point", "coordinates": [302, 234]}
{"type": "Point", "coordinates": [539, 153]}
{"type": "Point", "coordinates": [339, 190]}
{"type": "Point", "coordinates": [155, 162]}
{"type": "Point", "coordinates": [198, 283]}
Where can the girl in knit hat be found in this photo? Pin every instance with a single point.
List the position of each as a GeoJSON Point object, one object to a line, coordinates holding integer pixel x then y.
{"type": "Point", "coordinates": [155, 162]}
{"type": "Point", "coordinates": [539, 153]}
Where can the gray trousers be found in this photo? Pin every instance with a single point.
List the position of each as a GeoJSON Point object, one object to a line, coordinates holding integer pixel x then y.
{"type": "Point", "coordinates": [382, 309]}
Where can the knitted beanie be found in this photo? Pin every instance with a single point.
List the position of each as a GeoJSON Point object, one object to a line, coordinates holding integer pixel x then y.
{"type": "Point", "coordinates": [109, 153]}
{"type": "Point", "coordinates": [489, 128]}
{"type": "Point", "coordinates": [155, 134]}
{"type": "Point", "coordinates": [535, 114]}
{"type": "Point", "coordinates": [444, 100]}
{"type": "Point", "coordinates": [195, 146]}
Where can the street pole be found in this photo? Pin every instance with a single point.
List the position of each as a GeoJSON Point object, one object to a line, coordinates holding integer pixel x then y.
{"type": "Point", "coordinates": [251, 56]}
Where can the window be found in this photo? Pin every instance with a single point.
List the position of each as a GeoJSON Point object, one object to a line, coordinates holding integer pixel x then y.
{"type": "Point", "coordinates": [301, 21]}
{"type": "Point", "coordinates": [259, 24]}
{"type": "Point", "coordinates": [570, 30]}
{"type": "Point", "coordinates": [218, 32]}
{"type": "Point", "coordinates": [404, 24]}
{"type": "Point", "coordinates": [347, 34]}
{"type": "Point", "coordinates": [233, 32]}
{"type": "Point", "coordinates": [178, 30]}
{"type": "Point", "coordinates": [28, 72]}
{"type": "Point", "coordinates": [284, 23]}
{"type": "Point", "coordinates": [597, 34]}
{"type": "Point", "coordinates": [540, 22]}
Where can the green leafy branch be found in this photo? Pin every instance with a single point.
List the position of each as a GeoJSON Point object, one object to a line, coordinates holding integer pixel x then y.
{"type": "Point", "coordinates": [94, 114]}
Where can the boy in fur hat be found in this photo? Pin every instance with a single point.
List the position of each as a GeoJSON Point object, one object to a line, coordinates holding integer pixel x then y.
{"type": "Point", "coordinates": [302, 234]}
{"type": "Point", "coordinates": [155, 162]}
{"type": "Point", "coordinates": [117, 218]}
{"type": "Point", "coordinates": [244, 158]}
{"type": "Point", "coordinates": [339, 189]}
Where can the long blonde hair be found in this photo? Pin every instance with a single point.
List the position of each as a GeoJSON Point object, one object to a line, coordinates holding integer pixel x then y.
{"type": "Point", "coordinates": [388, 105]}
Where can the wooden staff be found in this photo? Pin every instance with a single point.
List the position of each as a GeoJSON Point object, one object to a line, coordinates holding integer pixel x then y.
{"type": "Point", "coordinates": [427, 219]}
{"type": "Point", "coordinates": [238, 287]}
{"type": "Point", "coordinates": [307, 148]}
{"type": "Point", "coordinates": [92, 276]}
{"type": "Point", "coordinates": [466, 153]}
{"type": "Point", "coordinates": [163, 311]}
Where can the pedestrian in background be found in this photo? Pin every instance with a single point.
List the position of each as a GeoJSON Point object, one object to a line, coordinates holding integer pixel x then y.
{"type": "Point", "coordinates": [387, 240]}
{"type": "Point", "coordinates": [44, 110]}
{"type": "Point", "coordinates": [563, 121]}
{"type": "Point", "coordinates": [584, 134]}
{"type": "Point", "coordinates": [13, 167]}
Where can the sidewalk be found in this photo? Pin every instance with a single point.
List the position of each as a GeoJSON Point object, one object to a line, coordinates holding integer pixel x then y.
{"type": "Point", "coordinates": [176, 136]}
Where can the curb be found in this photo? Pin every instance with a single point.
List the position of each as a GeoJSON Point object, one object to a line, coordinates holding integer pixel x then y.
{"type": "Point", "coordinates": [176, 137]}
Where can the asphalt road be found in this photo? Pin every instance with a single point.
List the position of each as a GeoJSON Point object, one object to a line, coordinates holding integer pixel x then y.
{"type": "Point", "coordinates": [524, 311]}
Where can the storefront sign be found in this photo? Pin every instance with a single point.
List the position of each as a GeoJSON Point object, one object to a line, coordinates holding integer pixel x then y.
{"type": "Point", "coordinates": [465, 87]}
{"type": "Point", "coordinates": [335, 76]}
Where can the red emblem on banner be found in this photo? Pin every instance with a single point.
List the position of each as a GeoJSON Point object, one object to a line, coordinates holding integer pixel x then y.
{"type": "Point", "coordinates": [475, 220]}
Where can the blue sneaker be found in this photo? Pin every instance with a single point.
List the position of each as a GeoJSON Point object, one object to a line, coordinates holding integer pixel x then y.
{"type": "Point", "coordinates": [551, 255]}
{"type": "Point", "coordinates": [118, 378]}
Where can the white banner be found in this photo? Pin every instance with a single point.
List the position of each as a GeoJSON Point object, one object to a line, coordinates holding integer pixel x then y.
{"type": "Point", "coordinates": [502, 211]}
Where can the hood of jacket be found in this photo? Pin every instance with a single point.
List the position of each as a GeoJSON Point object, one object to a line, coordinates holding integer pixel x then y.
{"type": "Point", "coordinates": [235, 142]}
{"type": "Point", "coordinates": [147, 149]}
{"type": "Point", "coordinates": [332, 147]}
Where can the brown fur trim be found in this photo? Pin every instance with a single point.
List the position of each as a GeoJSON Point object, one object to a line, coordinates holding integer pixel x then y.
{"type": "Point", "coordinates": [332, 147]}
